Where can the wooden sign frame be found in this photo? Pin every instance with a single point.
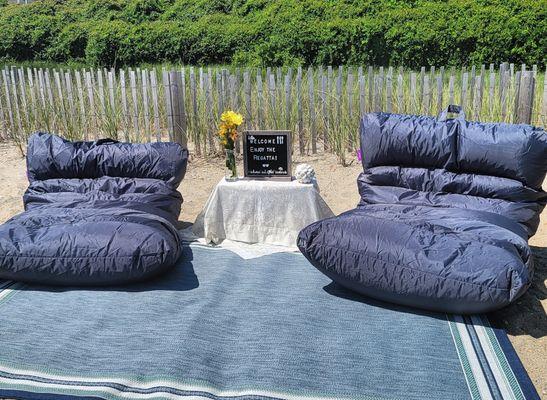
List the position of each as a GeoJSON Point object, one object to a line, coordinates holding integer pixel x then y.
{"type": "Point", "coordinates": [288, 177]}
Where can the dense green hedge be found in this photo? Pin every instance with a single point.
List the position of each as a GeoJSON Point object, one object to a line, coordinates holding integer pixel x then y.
{"type": "Point", "coordinates": [275, 32]}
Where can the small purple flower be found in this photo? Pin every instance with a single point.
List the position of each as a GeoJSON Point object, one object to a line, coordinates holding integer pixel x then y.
{"type": "Point", "coordinates": [359, 155]}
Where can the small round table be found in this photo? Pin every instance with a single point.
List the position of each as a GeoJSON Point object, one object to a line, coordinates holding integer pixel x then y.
{"type": "Point", "coordinates": [254, 211]}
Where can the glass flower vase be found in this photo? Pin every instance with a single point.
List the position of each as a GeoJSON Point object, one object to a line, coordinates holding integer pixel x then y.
{"type": "Point", "coordinates": [231, 168]}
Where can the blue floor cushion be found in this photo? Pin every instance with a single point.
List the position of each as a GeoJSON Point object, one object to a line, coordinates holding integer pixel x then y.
{"type": "Point", "coordinates": [447, 207]}
{"type": "Point", "coordinates": [96, 213]}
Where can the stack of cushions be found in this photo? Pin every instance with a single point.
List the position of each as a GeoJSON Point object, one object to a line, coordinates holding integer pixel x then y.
{"type": "Point", "coordinates": [447, 208]}
{"type": "Point", "coordinates": [96, 213]}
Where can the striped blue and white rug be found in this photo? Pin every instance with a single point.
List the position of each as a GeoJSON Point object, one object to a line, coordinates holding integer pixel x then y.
{"type": "Point", "coordinates": [222, 327]}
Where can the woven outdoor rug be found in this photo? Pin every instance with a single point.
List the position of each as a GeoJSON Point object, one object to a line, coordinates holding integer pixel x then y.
{"type": "Point", "coordinates": [222, 327]}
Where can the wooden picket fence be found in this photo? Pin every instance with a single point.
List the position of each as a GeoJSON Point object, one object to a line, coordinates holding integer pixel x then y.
{"type": "Point", "coordinates": [321, 106]}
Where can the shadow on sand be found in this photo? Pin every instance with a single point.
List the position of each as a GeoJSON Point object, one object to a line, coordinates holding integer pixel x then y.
{"type": "Point", "coordinates": [527, 316]}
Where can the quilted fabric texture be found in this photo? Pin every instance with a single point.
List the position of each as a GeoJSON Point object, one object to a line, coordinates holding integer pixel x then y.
{"type": "Point", "coordinates": [97, 213]}
{"type": "Point", "coordinates": [446, 210]}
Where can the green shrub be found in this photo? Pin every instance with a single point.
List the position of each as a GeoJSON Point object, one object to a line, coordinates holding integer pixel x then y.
{"type": "Point", "coordinates": [138, 11]}
{"type": "Point", "coordinates": [70, 43]}
{"type": "Point", "coordinates": [281, 32]}
{"type": "Point", "coordinates": [27, 31]}
{"type": "Point", "coordinates": [99, 10]}
{"type": "Point", "coordinates": [157, 42]}
{"type": "Point", "coordinates": [109, 44]}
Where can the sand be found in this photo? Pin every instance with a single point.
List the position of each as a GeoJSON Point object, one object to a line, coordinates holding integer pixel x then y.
{"type": "Point", "coordinates": [525, 321]}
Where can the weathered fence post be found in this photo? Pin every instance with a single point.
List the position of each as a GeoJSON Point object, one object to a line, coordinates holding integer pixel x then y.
{"type": "Point", "coordinates": [3, 126]}
{"type": "Point", "coordinates": [439, 92]}
{"type": "Point", "coordinates": [400, 91]}
{"type": "Point", "coordinates": [16, 103]}
{"type": "Point", "coordinates": [504, 88]}
{"type": "Point", "coordinates": [544, 104]}
{"type": "Point", "coordinates": [168, 106]}
{"type": "Point", "coordinates": [125, 107]}
{"type": "Point", "coordinates": [154, 87]}
{"type": "Point", "coordinates": [134, 103]}
{"type": "Point", "coordinates": [525, 97]}
{"type": "Point", "coordinates": [463, 98]}
{"type": "Point", "coordinates": [491, 87]}
{"type": "Point", "coordinates": [70, 95]}
{"type": "Point", "coordinates": [237, 100]}
{"type": "Point", "coordinates": [516, 92]}
{"type": "Point", "coordinates": [300, 123]}
{"type": "Point", "coordinates": [272, 97]}
{"type": "Point", "coordinates": [101, 98]}
{"type": "Point", "coordinates": [33, 109]}
{"type": "Point", "coordinates": [477, 100]}
{"type": "Point", "coordinates": [91, 103]}
{"type": "Point", "coordinates": [195, 117]}
{"type": "Point", "coordinates": [177, 105]}
{"type": "Point", "coordinates": [288, 102]}
{"type": "Point", "coordinates": [413, 102]}
{"type": "Point", "coordinates": [471, 93]}
{"type": "Point", "coordinates": [389, 90]}
{"type": "Point", "coordinates": [311, 94]}
{"type": "Point", "coordinates": [81, 102]}
{"type": "Point", "coordinates": [209, 114]}
{"type": "Point", "coordinates": [324, 100]}
{"type": "Point", "coordinates": [8, 101]}
{"type": "Point", "coordinates": [426, 101]}
{"type": "Point", "coordinates": [145, 105]}
{"type": "Point", "coordinates": [259, 100]}
{"type": "Point", "coordinates": [350, 129]}
{"type": "Point", "coordinates": [248, 103]}
{"type": "Point", "coordinates": [111, 82]}
{"type": "Point", "coordinates": [22, 90]}
{"type": "Point", "coordinates": [362, 104]}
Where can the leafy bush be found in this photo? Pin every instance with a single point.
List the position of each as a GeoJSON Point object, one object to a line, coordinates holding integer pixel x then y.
{"type": "Point", "coordinates": [281, 32]}
{"type": "Point", "coordinates": [138, 11]}
{"type": "Point", "coordinates": [109, 44]}
{"type": "Point", "coordinates": [27, 31]}
{"type": "Point", "coordinates": [70, 43]}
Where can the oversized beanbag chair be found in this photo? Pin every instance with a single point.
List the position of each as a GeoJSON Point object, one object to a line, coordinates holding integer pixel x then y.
{"type": "Point", "coordinates": [96, 213]}
{"type": "Point", "coordinates": [447, 208]}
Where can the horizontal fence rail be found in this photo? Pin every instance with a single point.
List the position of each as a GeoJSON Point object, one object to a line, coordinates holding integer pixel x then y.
{"type": "Point", "coordinates": [321, 105]}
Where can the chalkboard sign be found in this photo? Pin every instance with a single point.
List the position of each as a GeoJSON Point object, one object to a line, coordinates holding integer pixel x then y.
{"type": "Point", "coordinates": [267, 155]}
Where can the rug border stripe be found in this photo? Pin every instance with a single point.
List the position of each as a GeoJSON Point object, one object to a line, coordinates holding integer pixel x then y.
{"type": "Point", "coordinates": [464, 362]}
{"type": "Point", "coordinates": [38, 380]}
{"type": "Point", "coordinates": [523, 379]}
{"type": "Point", "coordinates": [110, 393]}
{"type": "Point", "coordinates": [9, 290]}
{"type": "Point", "coordinates": [495, 389]}
{"type": "Point", "coordinates": [503, 381]}
{"type": "Point", "coordinates": [480, 378]}
{"type": "Point", "coordinates": [20, 394]}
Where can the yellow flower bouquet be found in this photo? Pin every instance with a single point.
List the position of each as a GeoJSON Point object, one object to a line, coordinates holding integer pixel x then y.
{"type": "Point", "coordinates": [227, 133]}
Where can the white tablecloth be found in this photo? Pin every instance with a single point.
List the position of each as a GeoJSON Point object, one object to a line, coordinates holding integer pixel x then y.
{"type": "Point", "coordinates": [271, 212]}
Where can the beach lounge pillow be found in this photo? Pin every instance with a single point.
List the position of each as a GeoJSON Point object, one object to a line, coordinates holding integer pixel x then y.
{"type": "Point", "coordinates": [96, 213]}
{"type": "Point", "coordinates": [444, 217]}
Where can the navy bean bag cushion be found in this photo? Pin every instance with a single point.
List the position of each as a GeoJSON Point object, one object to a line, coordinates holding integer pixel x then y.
{"type": "Point", "coordinates": [96, 213]}
{"type": "Point", "coordinates": [447, 207]}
